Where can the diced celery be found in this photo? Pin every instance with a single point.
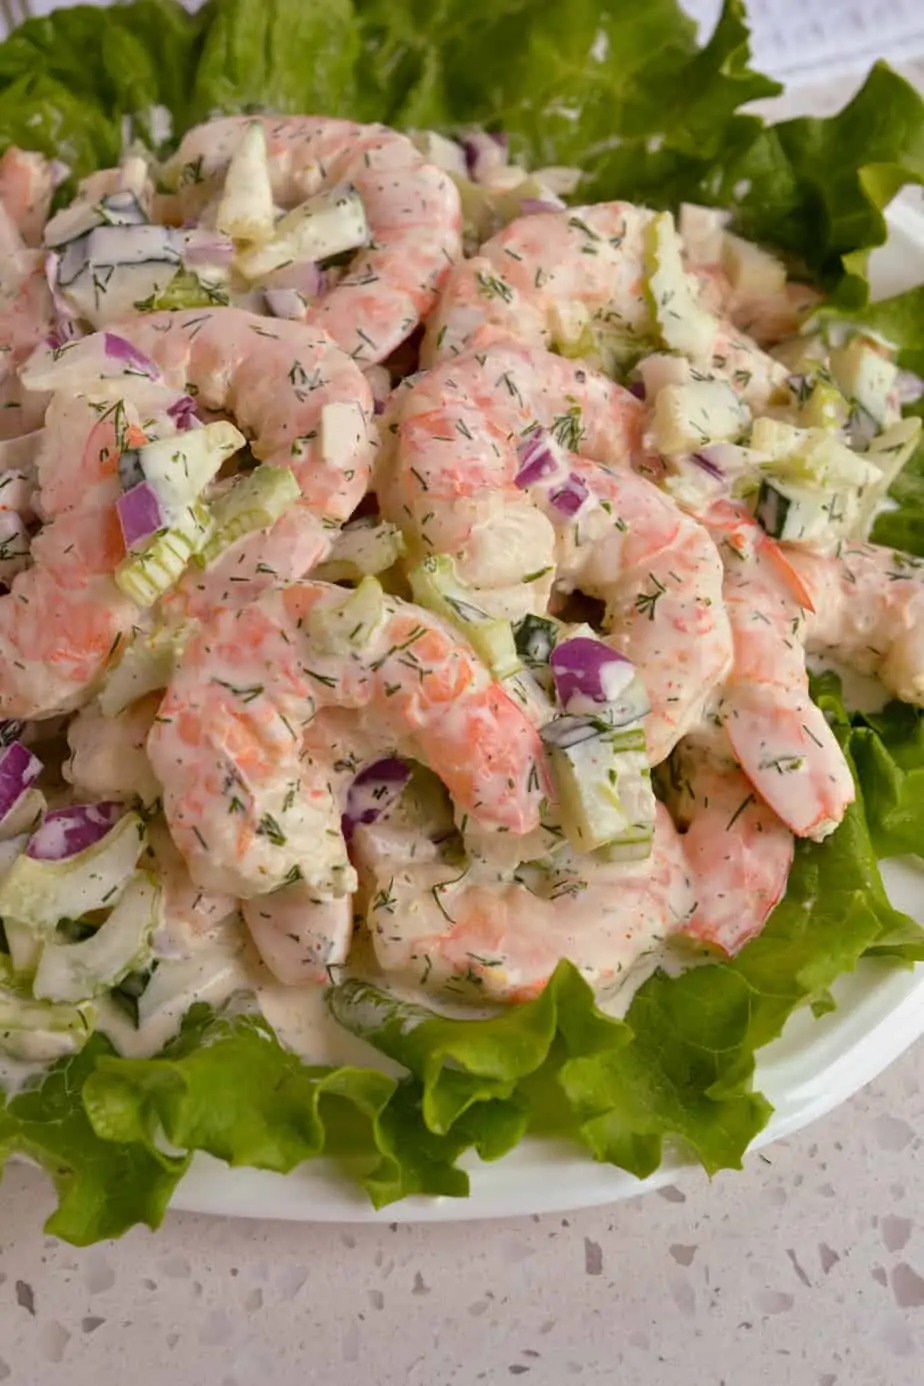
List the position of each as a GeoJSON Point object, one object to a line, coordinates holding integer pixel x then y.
{"type": "Point", "coordinates": [362, 549]}
{"type": "Point", "coordinates": [687, 417]}
{"type": "Point", "coordinates": [246, 210]}
{"type": "Point", "coordinates": [682, 322]}
{"type": "Point", "coordinates": [122, 944]}
{"type": "Point", "coordinates": [146, 576]}
{"type": "Point", "coordinates": [256, 501]}
{"type": "Point", "coordinates": [435, 585]}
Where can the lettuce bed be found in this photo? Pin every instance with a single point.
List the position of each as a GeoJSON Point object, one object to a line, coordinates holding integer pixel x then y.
{"type": "Point", "coordinates": [582, 84]}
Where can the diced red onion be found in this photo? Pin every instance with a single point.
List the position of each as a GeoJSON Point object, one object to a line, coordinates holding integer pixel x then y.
{"type": "Point", "coordinates": [373, 791]}
{"type": "Point", "coordinates": [118, 349]}
{"type": "Point", "coordinates": [60, 172]}
{"type": "Point", "coordinates": [304, 276]}
{"type": "Point", "coordinates": [18, 769]}
{"type": "Point", "coordinates": [484, 151]}
{"type": "Point", "coordinates": [183, 413]}
{"type": "Point", "coordinates": [65, 832]}
{"type": "Point", "coordinates": [570, 496]}
{"type": "Point", "coordinates": [65, 325]}
{"type": "Point", "coordinates": [532, 206]}
{"type": "Point", "coordinates": [140, 514]}
{"type": "Point", "coordinates": [910, 387]}
{"type": "Point", "coordinates": [285, 303]}
{"type": "Point", "coordinates": [202, 247]}
{"type": "Point", "coordinates": [539, 457]}
{"type": "Point", "coordinates": [708, 465]}
{"type": "Point", "coordinates": [586, 670]}
{"type": "Point", "coordinates": [637, 388]}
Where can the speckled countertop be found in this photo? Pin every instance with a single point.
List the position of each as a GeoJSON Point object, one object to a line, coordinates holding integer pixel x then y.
{"type": "Point", "coordinates": [805, 1270]}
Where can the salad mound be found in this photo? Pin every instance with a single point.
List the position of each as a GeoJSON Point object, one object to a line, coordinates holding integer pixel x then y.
{"type": "Point", "coordinates": [534, 114]}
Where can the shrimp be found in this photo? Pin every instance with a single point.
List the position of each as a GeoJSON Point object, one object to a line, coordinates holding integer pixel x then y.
{"type": "Point", "coordinates": [456, 932]}
{"type": "Point", "coordinates": [64, 616]}
{"type": "Point", "coordinates": [108, 758]}
{"type": "Point", "coordinates": [868, 612]}
{"type": "Point", "coordinates": [768, 318]}
{"type": "Point", "coordinates": [661, 577]}
{"type": "Point", "coordinates": [249, 808]}
{"type": "Point", "coordinates": [299, 934]}
{"type": "Point", "coordinates": [448, 477]}
{"type": "Point", "coordinates": [575, 279]}
{"type": "Point", "coordinates": [307, 406]}
{"type": "Point", "coordinates": [739, 852]}
{"type": "Point", "coordinates": [192, 915]}
{"type": "Point", "coordinates": [27, 181]}
{"type": "Point", "coordinates": [412, 208]}
{"type": "Point", "coordinates": [779, 736]}
{"type": "Point", "coordinates": [26, 316]}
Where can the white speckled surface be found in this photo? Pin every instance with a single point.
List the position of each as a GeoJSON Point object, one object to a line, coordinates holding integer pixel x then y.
{"type": "Point", "coordinates": [807, 1269]}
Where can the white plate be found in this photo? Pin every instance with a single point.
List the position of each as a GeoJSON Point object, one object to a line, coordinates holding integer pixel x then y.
{"type": "Point", "coordinates": [813, 1067]}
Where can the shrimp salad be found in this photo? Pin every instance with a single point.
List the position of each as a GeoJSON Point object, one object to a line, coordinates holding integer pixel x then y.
{"type": "Point", "coordinates": [409, 580]}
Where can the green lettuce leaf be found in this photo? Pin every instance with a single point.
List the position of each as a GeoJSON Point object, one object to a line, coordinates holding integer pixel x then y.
{"type": "Point", "coordinates": [886, 749]}
{"type": "Point", "coordinates": [226, 1086]}
{"type": "Point", "coordinates": [817, 188]}
{"type": "Point", "coordinates": [70, 77]}
{"type": "Point", "coordinates": [290, 56]}
{"type": "Point", "coordinates": [104, 1186]}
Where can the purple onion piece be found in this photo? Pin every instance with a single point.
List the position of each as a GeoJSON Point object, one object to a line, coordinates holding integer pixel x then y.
{"type": "Point", "coordinates": [637, 388]}
{"type": "Point", "coordinates": [910, 387]}
{"type": "Point", "coordinates": [708, 465]}
{"type": "Point", "coordinates": [60, 172]}
{"type": "Point", "coordinates": [18, 769]}
{"type": "Point", "coordinates": [539, 457]}
{"type": "Point", "coordinates": [373, 792]}
{"type": "Point", "coordinates": [570, 496]}
{"type": "Point", "coordinates": [483, 151]}
{"type": "Point", "coordinates": [67, 831]}
{"type": "Point", "coordinates": [201, 247]}
{"type": "Point", "coordinates": [588, 670]}
{"type": "Point", "coordinates": [285, 303]}
{"type": "Point", "coordinates": [183, 413]}
{"type": "Point", "coordinates": [140, 514]}
{"type": "Point", "coordinates": [118, 349]}
{"type": "Point", "coordinates": [533, 206]}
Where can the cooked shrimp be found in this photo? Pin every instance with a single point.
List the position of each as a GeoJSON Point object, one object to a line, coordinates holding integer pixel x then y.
{"type": "Point", "coordinates": [248, 808]}
{"type": "Point", "coordinates": [191, 915]}
{"type": "Point", "coordinates": [26, 316]}
{"type": "Point", "coordinates": [868, 612]}
{"type": "Point", "coordinates": [27, 181]}
{"type": "Point", "coordinates": [299, 935]}
{"type": "Point", "coordinates": [739, 852]}
{"type": "Point", "coordinates": [574, 279]}
{"type": "Point", "coordinates": [448, 930]}
{"type": "Point", "coordinates": [767, 318]}
{"type": "Point", "coordinates": [449, 479]}
{"type": "Point", "coordinates": [64, 616]}
{"type": "Point", "coordinates": [412, 208]}
{"type": "Point", "coordinates": [661, 577]}
{"type": "Point", "coordinates": [109, 758]}
{"type": "Point", "coordinates": [307, 406]}
{"type": "Point", "coordinates": [779, 736]}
